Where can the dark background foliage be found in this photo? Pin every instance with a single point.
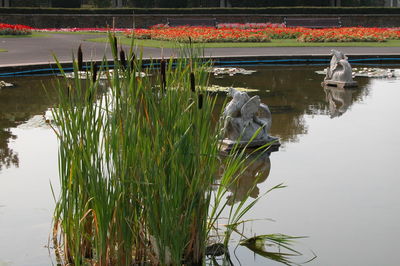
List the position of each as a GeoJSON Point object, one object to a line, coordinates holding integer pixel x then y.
{"type": "Point", "coordinates": [190, 3]}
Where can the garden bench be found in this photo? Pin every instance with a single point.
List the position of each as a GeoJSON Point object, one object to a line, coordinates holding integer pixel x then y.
{"type": "Point", "coordinates": [315, 23]}
{"type": "Point", "coordinates": [210, 22]}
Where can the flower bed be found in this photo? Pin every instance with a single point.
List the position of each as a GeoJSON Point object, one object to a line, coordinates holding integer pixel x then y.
{"type": "Point", "coordinates": [225, 33]}
{"type": "Point", "coordinates": [232, 32]}
{"type": "Point", "coordinates": [244, 26]}
{"type": "Point", "coordinates": [8, 29]}
{"type": "Point", "coordinates": [285, 33]}
{"type": "Point", "coordinates": [200, 34]}
{"type": "Point", "coordinates": [350, 35]}
{"type": "Point", "coordinates": [264, 32]}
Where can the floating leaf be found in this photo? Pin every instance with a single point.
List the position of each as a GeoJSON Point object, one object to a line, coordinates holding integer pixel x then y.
{"type": "Point", "coordinates": [216, 88]}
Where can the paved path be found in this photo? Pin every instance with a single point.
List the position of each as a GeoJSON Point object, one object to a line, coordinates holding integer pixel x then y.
{"type": "Point", "coordinates": [40, 50]}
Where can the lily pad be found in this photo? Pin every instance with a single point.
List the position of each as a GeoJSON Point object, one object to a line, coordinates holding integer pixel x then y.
{"type": "Point", "coordinates": [102, 75]}
{"type": "Point", "coordinates": [231, 71]}
{"type": "Point", "coordinates": [4, 84]}
{"type": "Point", "coordinates": [216, 88]}
{"type": "Point", "coordinates": [371, 72]}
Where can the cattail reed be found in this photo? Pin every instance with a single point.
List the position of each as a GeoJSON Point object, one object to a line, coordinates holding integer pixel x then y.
{"type": "Point", "coordinates": [122, 58]}
{"type": "Point", "coordinates": [114, 47]}
{"type": "Point", "coordinates": [80, 58]}
{"type": "Point", "coordinates": [115, 43]}
{"type": "Point", "coordinates": [200, 101]}
{"type": "Point", "coordinates": [137, 171]}
{"type": "Point", "coordinates": [94, 72]}
{"type": "Point", "coordinates": [163, 74]}
{"type": "Point", "coordinates": [192, 82]}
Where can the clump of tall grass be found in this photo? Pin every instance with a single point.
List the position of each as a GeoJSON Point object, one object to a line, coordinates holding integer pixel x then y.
{"type": "Point", "coordinates": [137, 165]}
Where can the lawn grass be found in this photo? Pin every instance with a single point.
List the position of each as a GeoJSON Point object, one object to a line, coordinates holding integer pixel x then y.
{"type": "Point", "coordinates": [273, 43]}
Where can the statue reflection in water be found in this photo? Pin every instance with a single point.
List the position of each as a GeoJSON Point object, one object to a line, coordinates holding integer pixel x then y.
{"type": "Point", "coordinates": [339, 100]}
{"type": "Point", "coordinates": [257, 170]}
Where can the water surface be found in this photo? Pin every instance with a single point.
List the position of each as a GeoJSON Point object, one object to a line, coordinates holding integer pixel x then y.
{"type": "Point", "coordinates": [338, 159]}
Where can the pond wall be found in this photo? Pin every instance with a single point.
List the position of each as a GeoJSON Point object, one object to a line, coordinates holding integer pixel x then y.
{"type": "Point", "coordinates": [146, 20]}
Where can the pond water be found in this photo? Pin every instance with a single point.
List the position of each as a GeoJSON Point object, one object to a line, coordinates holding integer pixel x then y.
{"type": "Point", "coordinates": [338, 159]}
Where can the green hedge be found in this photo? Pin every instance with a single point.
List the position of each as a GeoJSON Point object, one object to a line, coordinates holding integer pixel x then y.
{"type": "Point", "coordinates": [208, 11]}
{"type": "Point", "coordinates": [280, 3]}
{"type": "Point", "coordinates": [66, 3]}
{"type": "Point", "coordinates": [29, 3]}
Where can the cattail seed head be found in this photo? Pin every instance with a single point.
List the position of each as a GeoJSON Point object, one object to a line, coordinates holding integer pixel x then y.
{"type": "Point", "coordinates": [200, 100]}
{"type": "Point", "coordinates": [192, 82]}
{"type": "Point", "coordinates": [80, 58]}
{"type": "Point", "coordinates": [114, 48]}
{"type": "Point", "coordinates": [122, 58]}
{"type": "Point", "coordinates": [115, 44]}
{"type": "Point", "coordinates": [94, 70]}
{"type": "Point", "coordinates": [163, 74]}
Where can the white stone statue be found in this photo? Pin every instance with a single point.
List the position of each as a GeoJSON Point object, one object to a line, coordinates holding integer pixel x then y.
{"type": "Point", "coordinates": [336, 57]}
{"type": "Point", "coordinates": [339, 73]}
{"type": "Point", "coordinates": [342, 72]}
{"type": "Point", "coordinates": [243, 116]}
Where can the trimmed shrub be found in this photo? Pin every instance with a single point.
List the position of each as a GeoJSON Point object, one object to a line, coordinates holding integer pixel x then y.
{"type": "Point", "coordinates": [66, 3]}
{"type": "Point", "coordinates": [208, 11]}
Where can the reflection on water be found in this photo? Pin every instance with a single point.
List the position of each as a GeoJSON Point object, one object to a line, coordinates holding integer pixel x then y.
{"type": "Point", "coordinates": [7, 156]}
{"type": "Point", "coordinates": [18, 105]}
{"type": "Point", "coordinates": [340, 100]}
{"type": "Point", "coordinates": [246, 185]}
{"type": "Point", "coordinates": [290, 92]}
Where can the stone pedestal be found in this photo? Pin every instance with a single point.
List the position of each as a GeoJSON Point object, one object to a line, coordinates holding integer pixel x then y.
{"type": "Point", "coordinates": [227, 144]}
{"type": "Point", "coordinates": [340, 84]}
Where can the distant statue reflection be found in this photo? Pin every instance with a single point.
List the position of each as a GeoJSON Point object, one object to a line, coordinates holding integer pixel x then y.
{"type": "Point", "coordinates": [339, 100]}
